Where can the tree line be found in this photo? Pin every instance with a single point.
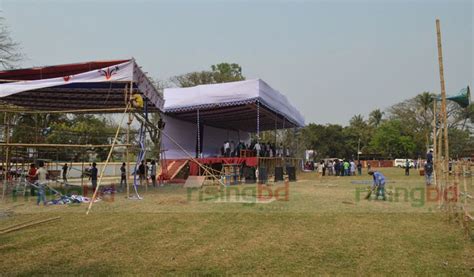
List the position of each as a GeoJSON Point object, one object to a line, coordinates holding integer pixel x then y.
{"type": "Point", "coordinates": [404, 130]}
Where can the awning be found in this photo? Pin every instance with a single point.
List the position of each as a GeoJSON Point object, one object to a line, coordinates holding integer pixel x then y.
{"type": "Point", "coordinates": [233, 106]}
{"type": "Point", "coordinates": [91, 85]}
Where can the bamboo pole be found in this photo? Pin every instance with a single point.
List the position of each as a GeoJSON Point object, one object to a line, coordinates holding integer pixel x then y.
{"type": "Point", "coordinates": [106, 110]}
{"type": "Point", "coordinates": [443, 107]}
{"type": "Point", "coordinates": [130, 118]}
{"type": "Point", "coordinates": [107, 161]}
{"type": "Point", "coordinates": [82, 169]}
{"type": "Point", "coordinates": [435, 157]}
{"type": "Point", "coordinates": [60, 145]}
{"type": "Point", "coordinates": [7, 150]}
{"type": "Point", "coordinates": [22, 225]}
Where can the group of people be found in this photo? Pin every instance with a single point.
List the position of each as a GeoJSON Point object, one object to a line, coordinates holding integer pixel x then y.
{"type": "Point", "coordinates": [143, 172]}
{"type": "Point", "coordinates": [38, 177]}
{"type": "Point", "coordinates": [336, 167]}
{"type": "Point", "coordinates": [230, 149]}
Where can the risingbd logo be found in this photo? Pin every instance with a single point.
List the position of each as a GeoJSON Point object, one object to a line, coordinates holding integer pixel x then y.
{"type": "Point", "coordinates": [109, 72]}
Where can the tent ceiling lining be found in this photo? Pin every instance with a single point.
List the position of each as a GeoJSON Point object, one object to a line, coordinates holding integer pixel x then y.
{"type": "Point", "coordinates": [70, 99]}
{"type": "Point", "coordinates": [242, 117]}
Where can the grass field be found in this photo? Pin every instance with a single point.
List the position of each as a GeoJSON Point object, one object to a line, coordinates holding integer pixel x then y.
{"type": "Point", "coordinates": [322, 228]}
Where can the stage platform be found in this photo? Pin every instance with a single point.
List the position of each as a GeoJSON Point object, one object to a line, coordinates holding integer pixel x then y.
{"type": "Point", "coordinates": [171, 167]}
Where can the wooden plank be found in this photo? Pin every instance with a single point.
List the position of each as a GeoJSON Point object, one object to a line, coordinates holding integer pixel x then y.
{"type": "Point", "coordinates": [195, 181]}
{"type": "Point", "coordinates": [179, 169]}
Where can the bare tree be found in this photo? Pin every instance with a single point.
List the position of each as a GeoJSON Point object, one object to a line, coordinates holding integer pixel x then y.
{"type": "Point", "coordinates": [10, 53]}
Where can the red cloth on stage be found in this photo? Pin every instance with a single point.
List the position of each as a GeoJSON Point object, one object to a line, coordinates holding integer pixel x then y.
{"type": "Point", "coordinates": [194, 167]}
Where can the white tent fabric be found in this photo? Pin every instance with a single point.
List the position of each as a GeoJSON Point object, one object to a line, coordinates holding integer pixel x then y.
{"type": "Point", "coordinates": [227, 94]}
{"type": "Point", "coordinates": [127, 71]}
{"type": "Point", "coordinates": [185, 133]}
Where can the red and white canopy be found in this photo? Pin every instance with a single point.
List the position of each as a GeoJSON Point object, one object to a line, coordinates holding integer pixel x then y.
{"type": "Point", "coordinates": [76, 86]}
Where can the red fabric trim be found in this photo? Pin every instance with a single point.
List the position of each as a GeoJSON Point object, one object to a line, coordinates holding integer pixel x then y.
{"type": "Point", "coordinates": [37, 73]}
{"type": "Point", "coordinates": [194, 167]}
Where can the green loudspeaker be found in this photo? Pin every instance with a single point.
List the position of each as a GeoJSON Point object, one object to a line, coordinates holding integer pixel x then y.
{"type": "Point", "coordinates": [463, 98]}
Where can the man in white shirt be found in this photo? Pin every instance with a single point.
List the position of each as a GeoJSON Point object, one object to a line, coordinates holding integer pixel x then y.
{"type": "Point", "coordinates": [41, 173]}
{"type": "Point", "coordinates": [257, 149]}
{"type": "Point", "coordinates": [227, 149]}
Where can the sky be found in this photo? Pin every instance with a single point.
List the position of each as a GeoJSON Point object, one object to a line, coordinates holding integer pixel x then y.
{"type": "Point", "coordinates": [332, 59]}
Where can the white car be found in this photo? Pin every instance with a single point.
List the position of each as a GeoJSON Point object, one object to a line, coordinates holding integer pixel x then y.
{"type": "Point", "coordinates": [402, 163]}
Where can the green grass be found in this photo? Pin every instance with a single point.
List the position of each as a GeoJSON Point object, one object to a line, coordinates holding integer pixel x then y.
{"type": "Point", "coordinates": [321, 229]}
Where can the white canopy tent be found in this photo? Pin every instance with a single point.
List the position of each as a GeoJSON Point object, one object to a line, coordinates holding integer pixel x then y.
{"type": "Point", "coordinates": [231, 94]}
{"type": "Point", "coordinates": [203, 117]}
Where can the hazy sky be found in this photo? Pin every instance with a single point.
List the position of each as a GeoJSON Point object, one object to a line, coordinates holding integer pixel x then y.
{"type": "Point", "coordinates": [332, 59]}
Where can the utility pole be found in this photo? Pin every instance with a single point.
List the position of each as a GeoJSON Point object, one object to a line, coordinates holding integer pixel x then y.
{"type": "Point", "coordinates": [358, 150]}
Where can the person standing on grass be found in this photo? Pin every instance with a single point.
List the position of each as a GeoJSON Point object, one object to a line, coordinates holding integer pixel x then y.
{"type": "Point", "coordinates": [41, 173]}
{"type": "Point", "coordinates": [428, 173]}
{"type": "Point", "coordinates": [429, 156]}
{"type": "Point", "coordinates": [93, 172]}
{"type": "Point", "coordinates": [32, 178]}
{"type": "Point", "coordinates": [153, 173]}
{"type": "Point", "coordinates": [337, 167]}
{"type": "Point", "coordinates": [407, 168]}
{"type": "Point", "coordinates": [353, 168]}
{"type": "Point", "coordinates": [65, 168]}
{"type": "Point", "coordinates": [330, 168]}
{"type": "Point", "coordinates": [123, 177]}
{"type": "Point", "coordinates": [320, 168]}
{"type": "Point", "coordinates": [142, 172]}
{"type": "Point", "coordinates": [379, 183]}
{"type": "Point", "coordinates": [347, 167]}
{"type": "Point", "coordinates": [359, 168]}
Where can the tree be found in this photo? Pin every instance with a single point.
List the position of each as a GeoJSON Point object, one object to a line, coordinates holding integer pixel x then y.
{"type": "Point", "coordinates": [33, 128]}
{"type": "Point", "coordinates": [225, 72]}
{"type": "Point", "coordinates": [392, 140]}
{"type": "Point", "coordinates": [83, 129]}
{"type": "Point", "coordinates": [328, 140]}
{"type": "Point", "coordinates": [416, 114]}
{"type": "Point", "coordinates": [193, 79]}
{"type": "Point", "coordinates": [358, 131]}
{"type": "Point", "coordinates": [9, 49]}
{"type": "Point", "coordinates": [375, 118]}
{"type": "Point", "coordinates": [461, 144]}
{"type": "Point", "coordinates": [465, 116]}
{"type": "Point", "coordinates": [220, 73]}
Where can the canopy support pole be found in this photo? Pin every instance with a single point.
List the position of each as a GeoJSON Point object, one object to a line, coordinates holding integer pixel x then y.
{"type": "Point", "coordinates": [128, 99]}
{"type": "Point", "coordinates": [258, 127]}
{"type": "Point", "coordinates": [435, 150]}
{"type": "Point", "coordinates": [198, 154]}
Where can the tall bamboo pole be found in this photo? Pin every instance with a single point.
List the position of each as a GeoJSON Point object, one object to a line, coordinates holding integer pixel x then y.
{"type": "Point", "coordinates": [5, 170]}
{"type": "Point", "coordinates": [107, 160]}
{"type": "Point", "coordinates": [443, 107]}
{"type": "Point", "coordinates": [7, 140]}
{"type": "Point", "coordinates": [128, 100]}
{"type": "Point", "coordinates": [435, 138]}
